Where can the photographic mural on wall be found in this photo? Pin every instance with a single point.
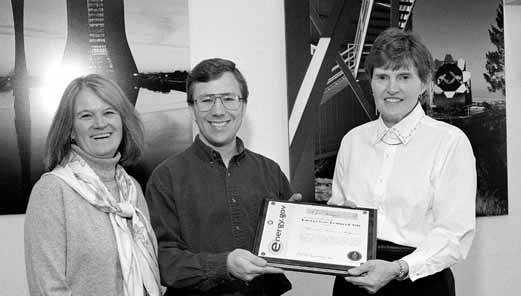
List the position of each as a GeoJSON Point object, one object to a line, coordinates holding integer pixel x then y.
{"type": "Point", "coordinates": [329, 92]}
{"type": "Point", "coordinates": [472, 94]}
{"type": "Point", "coordinates": [46, 44]}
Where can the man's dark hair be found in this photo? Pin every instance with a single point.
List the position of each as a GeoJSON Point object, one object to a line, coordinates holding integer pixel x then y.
{"type": "Point", "coordinates": [212, 69]}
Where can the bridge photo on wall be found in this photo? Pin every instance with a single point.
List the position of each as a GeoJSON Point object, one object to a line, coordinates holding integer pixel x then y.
{"type": "Point", "coordinates": [329, 92]}
{"type": "Point", "coordinates": [46, 44]}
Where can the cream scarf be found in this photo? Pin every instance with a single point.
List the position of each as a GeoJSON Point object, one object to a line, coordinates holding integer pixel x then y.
{"type": "Point", "coordinates": [137, 245]}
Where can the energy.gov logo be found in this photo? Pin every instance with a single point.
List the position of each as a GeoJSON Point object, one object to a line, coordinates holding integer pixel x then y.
{"type": "Point", "coordinates": [276, 244]}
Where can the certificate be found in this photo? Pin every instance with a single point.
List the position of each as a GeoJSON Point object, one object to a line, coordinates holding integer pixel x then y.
{"type": "Point", "coordinates": [314, 237]}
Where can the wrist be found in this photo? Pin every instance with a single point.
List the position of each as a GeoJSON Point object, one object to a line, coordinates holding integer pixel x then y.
{"type": "Point", "coordinates": [403, 270]}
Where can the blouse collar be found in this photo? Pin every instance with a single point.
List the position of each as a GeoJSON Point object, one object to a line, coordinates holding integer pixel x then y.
{"type": "Point", "coordinates": [402, 132]}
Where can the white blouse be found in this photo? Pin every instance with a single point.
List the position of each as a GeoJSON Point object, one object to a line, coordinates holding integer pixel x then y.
{"type": "Point", "coordinates": [421, 177]}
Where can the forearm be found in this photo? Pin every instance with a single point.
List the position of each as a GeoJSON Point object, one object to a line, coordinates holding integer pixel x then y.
{"type": "Point", "coordinates": [181, 269]}
{"type": "Point", "coordinates": [439, 251]}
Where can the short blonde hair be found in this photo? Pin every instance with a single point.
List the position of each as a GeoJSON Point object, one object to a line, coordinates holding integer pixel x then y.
{"type": "Point", "coordinates": [395, 48]}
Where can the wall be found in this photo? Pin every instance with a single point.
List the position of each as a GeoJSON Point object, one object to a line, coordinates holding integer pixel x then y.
{"type": "Point", "coordinates": [12, 264]}
{"type": "Point", "coordinates": [257, 45]}
{"type": "Point", "coordinates": [252, 35]}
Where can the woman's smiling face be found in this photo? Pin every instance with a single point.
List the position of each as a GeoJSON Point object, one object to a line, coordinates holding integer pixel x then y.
{"type": "Point", "coordinates": [97, 126]}
{"type": "Point", "coordinates": [396, 92]}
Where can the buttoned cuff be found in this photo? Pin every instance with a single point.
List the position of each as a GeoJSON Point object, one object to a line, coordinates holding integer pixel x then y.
{"type": "Point", "coordinates": [217, 271]}
{"type": "Point", "coordinates": [417, 268]}
{"type": "Point", "coordinates": [216, 266]}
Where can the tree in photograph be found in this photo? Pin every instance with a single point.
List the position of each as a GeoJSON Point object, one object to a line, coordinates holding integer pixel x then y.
{"type": "Point", "coordinates": [495, 64]}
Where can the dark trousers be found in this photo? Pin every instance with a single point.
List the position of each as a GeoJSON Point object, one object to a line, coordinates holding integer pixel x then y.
{"type": "Point", "coordinates": [438, 284]}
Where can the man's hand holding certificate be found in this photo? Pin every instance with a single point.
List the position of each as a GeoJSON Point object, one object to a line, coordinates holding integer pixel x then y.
{"type": "Point", "coordinates": [316, 238]}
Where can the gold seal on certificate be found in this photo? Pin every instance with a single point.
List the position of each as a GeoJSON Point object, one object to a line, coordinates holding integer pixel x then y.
{"type": "Point", "coordinates": [314, 237]}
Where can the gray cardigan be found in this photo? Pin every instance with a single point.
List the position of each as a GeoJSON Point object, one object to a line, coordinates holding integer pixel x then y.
{"type": "Point", "coordinates": [70, 247]}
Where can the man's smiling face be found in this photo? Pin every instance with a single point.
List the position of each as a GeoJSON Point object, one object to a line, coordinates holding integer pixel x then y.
{"type": "Point", "coordinates": [218, 126]}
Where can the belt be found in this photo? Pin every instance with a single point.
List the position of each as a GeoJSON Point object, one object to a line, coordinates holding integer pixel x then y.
{"type": "Point", "coordinates": [389, 251]}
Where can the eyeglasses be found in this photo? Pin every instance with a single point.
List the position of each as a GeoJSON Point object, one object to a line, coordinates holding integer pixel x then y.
{"type": "Point", "coordinates": [229, 101]}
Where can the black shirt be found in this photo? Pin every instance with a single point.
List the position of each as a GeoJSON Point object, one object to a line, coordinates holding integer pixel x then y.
{"type": "Point", "coordinates": [201, 211]}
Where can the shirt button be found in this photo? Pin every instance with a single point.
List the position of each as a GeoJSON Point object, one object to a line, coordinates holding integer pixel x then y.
{"type": "Point", "coordinates": [233, 200]}
{"type": "Point", "coordinates": [237, 228]}
{"type": "Point", "coordinates": [229, 174]}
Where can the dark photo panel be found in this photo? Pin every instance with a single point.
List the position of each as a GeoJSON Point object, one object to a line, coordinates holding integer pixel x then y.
{"type": "Point", "coordinates": [46, 44]}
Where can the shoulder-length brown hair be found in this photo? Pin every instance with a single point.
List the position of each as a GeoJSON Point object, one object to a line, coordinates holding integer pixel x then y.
{"type": "Point", "coordinates": [58, 143]}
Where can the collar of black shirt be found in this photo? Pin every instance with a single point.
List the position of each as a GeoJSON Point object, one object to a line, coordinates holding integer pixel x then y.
{"type": "Point", "coordinates": [207, 153]}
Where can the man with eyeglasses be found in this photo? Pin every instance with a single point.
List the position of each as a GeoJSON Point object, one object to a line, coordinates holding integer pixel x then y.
{"type": "Point", "coordinates": [205, 202]}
